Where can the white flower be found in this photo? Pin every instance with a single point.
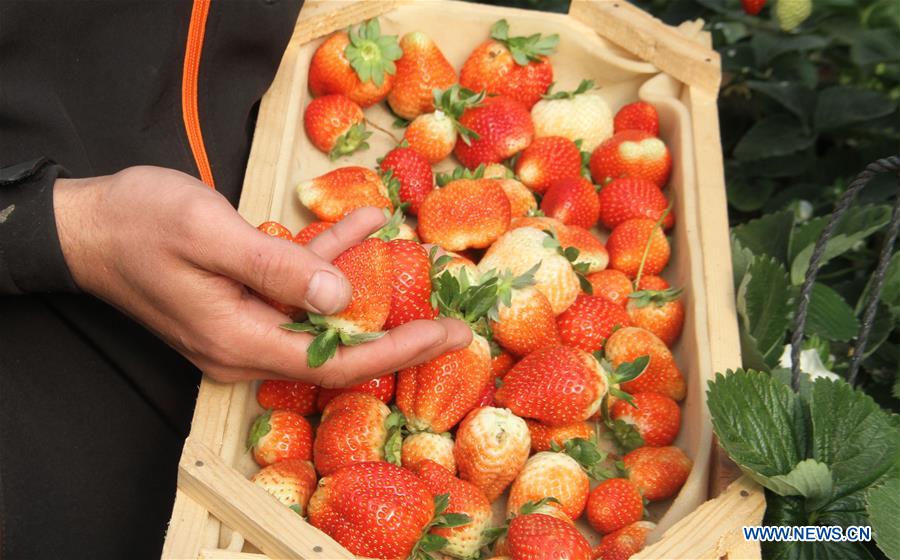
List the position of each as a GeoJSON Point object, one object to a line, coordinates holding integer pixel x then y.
{"type": "Point", "coordinates": [810, 363]}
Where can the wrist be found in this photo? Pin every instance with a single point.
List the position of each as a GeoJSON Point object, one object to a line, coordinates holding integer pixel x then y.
{"type": "Point", "coordinates": [76, 205]}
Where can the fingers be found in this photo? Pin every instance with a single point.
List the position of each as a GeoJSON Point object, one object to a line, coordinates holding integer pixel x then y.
{"type": "Point", "coordinates": [350, 231]}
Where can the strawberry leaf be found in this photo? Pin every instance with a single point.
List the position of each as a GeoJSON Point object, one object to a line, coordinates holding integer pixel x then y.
{"type": "Point", "coordinates": [492, 534]}
{"type": "Point", "coordinates": [352, 140]}
{"type": "Point", "coordinates": [391, 229]}
{"type": "Point", "coordinates": [394, 423]}
{"type": "Point", "coordinates": [355, 339]}
{"type": "Point", "coordinates": [532, 506]}
{"type": "Point", "coordinates": [300, 327]}
{"type": "Point", "coordinates": [450, 520]}
{"type": "Point", "coordinates": [297, 509]}
{"type": "Point", "coordinates": [629, 371]}
{"type": "Point", "coordinates": [260, 428]}
{"type": "Point", "coordinates": [626, 435]}
{"type": "Point", "coordinates": [322, 348]}
{"type": "Point", "coordinates": [643, 298]}
{"type": "Point", "coordinates": [441, 503]}
{"type": "Point", "coordinates": [583, 87]}
{"type": "Point", "coordinates": [400, 122]}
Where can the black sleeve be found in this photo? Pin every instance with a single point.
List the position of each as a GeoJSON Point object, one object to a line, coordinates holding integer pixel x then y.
{"type": "Point", "coordinates": [31, 259]}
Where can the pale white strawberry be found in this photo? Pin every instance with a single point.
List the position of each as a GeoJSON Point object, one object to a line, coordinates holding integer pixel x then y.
{"type": "Point", "coordinates": [427, 445]}
{"type": "Point", "coordinates": [578, 115]}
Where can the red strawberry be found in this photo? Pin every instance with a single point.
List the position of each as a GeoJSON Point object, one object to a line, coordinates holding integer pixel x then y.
{"type": "Point", "coordinates": [355, 428]}
{"type": "Point", "coordinates": [639, 115]}
{"type": "Point", "coordinates": [491, 447]}
{"type": "Point", "coordinates": [656, 417]}
{"type": "Point", "coordinates": [613, 504]}
{"type": "Point", "coordinates": [335, 125]}
{"type": "Point", "coordinates": [517, 67]}
{"type": "Point", "coordinates": [572, 200]}
{"type": "Point", "coordinates": [427, 446]}
{"type": "Point", "coordinates": [659, 310]}
{"type": "Point", "coordinates": [289, 395]}
{"type": "Point", "coordinates": [628, 242]}
{"type": "Point", "coordinates": [543, 436]}
{"type": "Point", "coordinates": [307, 234]}
{"type": "Point", "coordinates": [434, 134]}
{"type": "Point", "coordinates": [556, 385]}
{"type": "Point", "coordinates": [413, 173]}
{"type": "Point", "coordinates": [521, 199]}
{"type": "Point", "coordinates": [611, 284]}
{"type": "Point", "coordinates": [358, 64]}
{"type": "Point", "coordinates": [466, 213]}
{"type": "Point", "coordinates": [502, 363]}
{"type": "Point", "coordinates": [590, 321]}
{"type": "Point", "coordinates": [436, 395]}
{"type": "Point", "coordinates": [541, 537]}
{"type": "Point", "coordinates": [410, 283]}
{"type": "Point", "coordinates": [291, 481]}
{"type": "Point", "coordinates": [464, 541]}
{"type": "Point", "coordinates": [662, 374]}
{"type": "Point", "coordinates": [277, 435]}
{"type": "Point", "coordinates": [487, 396]}
{"type": "Point", "coordinates": [631, 197]}
{"type": "Point", "coordinates": [581, 114]}
{"type": "Point", "coordinates": [753, 7]}
{"type": "Point", "coordinates": [622, 544]}
{"type": "Point", "coordinates": [550, 475]}
{"type": "Point", "coordinates": [420, 70]}
{"type": "Point", "coordinates": [591, 251]}
{"type": "Point", "coordinates": [546, 160]}
{"type": "Point", "coordinates": [337, 193]}
{"type": "Point", "coordinates": [631, 153]}
{"type": "Point", "coordinates": [382, 388]}
{"type": "Point", "coordinates": [527, 323]}
{"type": "Point", "coordinates": [503, 128]}
{"type": "Point", "coordinates": [389, 510]}
{"type": "Point", "coordinates": [658, 472]}
{"type": "Point", "coordinates": [274, 229]}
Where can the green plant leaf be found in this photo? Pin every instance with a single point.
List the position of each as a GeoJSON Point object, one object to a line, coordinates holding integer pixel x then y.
{"type": "Point", "coordinates": [767, 235]}
{"type": "Point", "coordinates": [763, 303]}
{"type": "Point", "coordinates": [740, 260]}
{"type": "Point", "coordinates": [322, 348]}
{"type": "Point", "coordinates": [809, 479]}
{"type": "Point", "coordinates": [795, 97]}
{"type": "Point", "coordinates": [840, 106]}
{"type": "Point", "coordinates": [883, 505]}
{"type": "Point", "coordinates": [776, 135]}
{"type": "Point", "coordinates": [829, 316]}
{"type": "Point", "coordinates": [759, 422]}
{"type": "Point", "coordinates": [767, 46]}
{"type": "Point", "coordinates": [748, 194]}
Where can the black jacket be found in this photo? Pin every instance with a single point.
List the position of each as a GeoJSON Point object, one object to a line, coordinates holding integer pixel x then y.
{"type": "Point", "coordinates": [93, 409]}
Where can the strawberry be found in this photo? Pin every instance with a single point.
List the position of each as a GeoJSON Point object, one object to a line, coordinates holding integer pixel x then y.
{"type": "Point", "coordinates": [388, 513]}
{"type": "Point", "coordinates": [358, 64]}
{"type": "Point", "coordinates": [382, 388]}
{"type": "Point", "coordinates": [662, 374]}
{"type": "Point", "coordinates": [631, 153]}
{"type": "Point", "coordinates": [355, 427]}
{"type": "Point", "coordinates": [337, 193]}
{"type": "Point", "coordinates": [413, 173]}
{"type": "Point", "coordinates": [550, 474]}
{"type": "Point", "coordinates": [308, 233]}
{"type": "Point", "coordinates": [367, 267]}
{"type": "Point", "coordinates": [288, 395]}
{"type": "Point", "coordinates": [428, 446]}
{"type": "Point", "coordinates": [420, 70]}
{"type": "Point", "coordinates": [658, 472]}
{"type": "Point", "coordinates": [543, 436]}
{"type": "Point", "coordinates": [541, 537]}
{"type": "Point", "coordinates": [292, 481]}
{"type": "Point", "coordinates": [491, 447]}
{"type": "Point", "coordinates": [465, 213]}
{"type": "Point", "coordinates": [436, 395]}
{"type": "Point", "coordinates": [521, 199]}
{"type": "Point", "coordinates": [410, 283]}
{"type": "Point", "coordinates": [464, 541]}
{"type": "Point", "coordinates": [556, 385]}
{"type": "Point", "coordinates": [546, 160]}
{"type": "Point", "coordinates": [592, 254]}
{"type": "Point", "coordinates": [519, 250]}
{"type": "Point", "coordinates": [622, 544]}
{"type": "Point", "coordinates": [517, 67]}
{"type": "Point", "coordinates": [613, 504]}
{"type": "Point", "coordinates": [659, 310]}
{"type": "Point", "coordinates": [487, 396]}
{"type": "Point", "coordinates": [791, 13]}
{"type": "Point", "coordinates": [335, 125]}
{"type": "Point", "coordinates": [581, 114]}
{"type": "Point", "coordinates": [274, 229]}
{"type": "Point", "coordinates": [277, 435]}
{"type": "Point", "coordinates": [572, 200]}
{"type": "Point", "coordinates": [502, 128]}
{"type": "Point", "coordinates": [524, 319]}
{"type": "Point", "coordinates": [434, 135]}
{"type": "Point", "coordinates": [611, 284]}
{"type": "Point", "coordinates": [639, 115]}
{"type": "Point", "coordinates": [502, 363]}
{"type": "Point", "coordinates": [656, 417]}
{"type": "Point", "coordinates": [632, 197]}
{"type": "Point", "coordinates": [589, 321]}
{"type": "Point", "coordinates": [628, 244]}
{"type": "Point", "coordinates": [753, 7]}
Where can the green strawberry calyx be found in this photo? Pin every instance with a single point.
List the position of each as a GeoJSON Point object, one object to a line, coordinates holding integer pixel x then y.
{"type": "Point", "coordinates": [453, 102]}
{"type": "Point", "coordinates": [571, 254]}
{"type": "Point", "coordinates": [395, 424]}
{"type": "Point", "coordinates": [327, 339]}
{"type": "Point", "coordinates": [261, 426]}
{"type": "Point", "coordinates": [391, 229]}
{"type": "Point", "coordinates": [583, 87]}
{"type": "Point", "coordinates": [623, 433]}
{"type": "Point", "coordinates": [464, 298]}
{"type": "Point", "coordinates": [588, 455]}
{"type": "Point", "coordinates": [659, 298]}
{"type": "Point", "coordinates": [429, 542]}
{"type": "Point", "coordinates": [507, 283]}
{"type": "Point", "coordinates": [458, 174]}
{"type": "Point", "coordinates": [524, 49]}
{"type": "Point", "coordinates": [493, 534]}
{"type": "Point", "coordinates": [372, 54]}
{"type": "Point", "coordinates": [351, 141]}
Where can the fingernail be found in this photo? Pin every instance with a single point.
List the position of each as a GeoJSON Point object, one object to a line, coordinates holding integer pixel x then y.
{"type": "Point", "coordinates": [326, 293]}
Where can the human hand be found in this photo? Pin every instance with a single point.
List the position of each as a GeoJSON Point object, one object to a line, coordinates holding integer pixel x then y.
{"type": "Point", "coordinates": [174, 255]}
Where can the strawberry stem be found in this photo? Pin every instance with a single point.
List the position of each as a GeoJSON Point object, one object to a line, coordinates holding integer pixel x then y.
{"type": "Point", "coordinates": [658, 224]}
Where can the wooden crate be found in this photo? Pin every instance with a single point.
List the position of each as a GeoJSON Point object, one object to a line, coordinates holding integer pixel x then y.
{"type": "Point", "coordinates": [218, 513]}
